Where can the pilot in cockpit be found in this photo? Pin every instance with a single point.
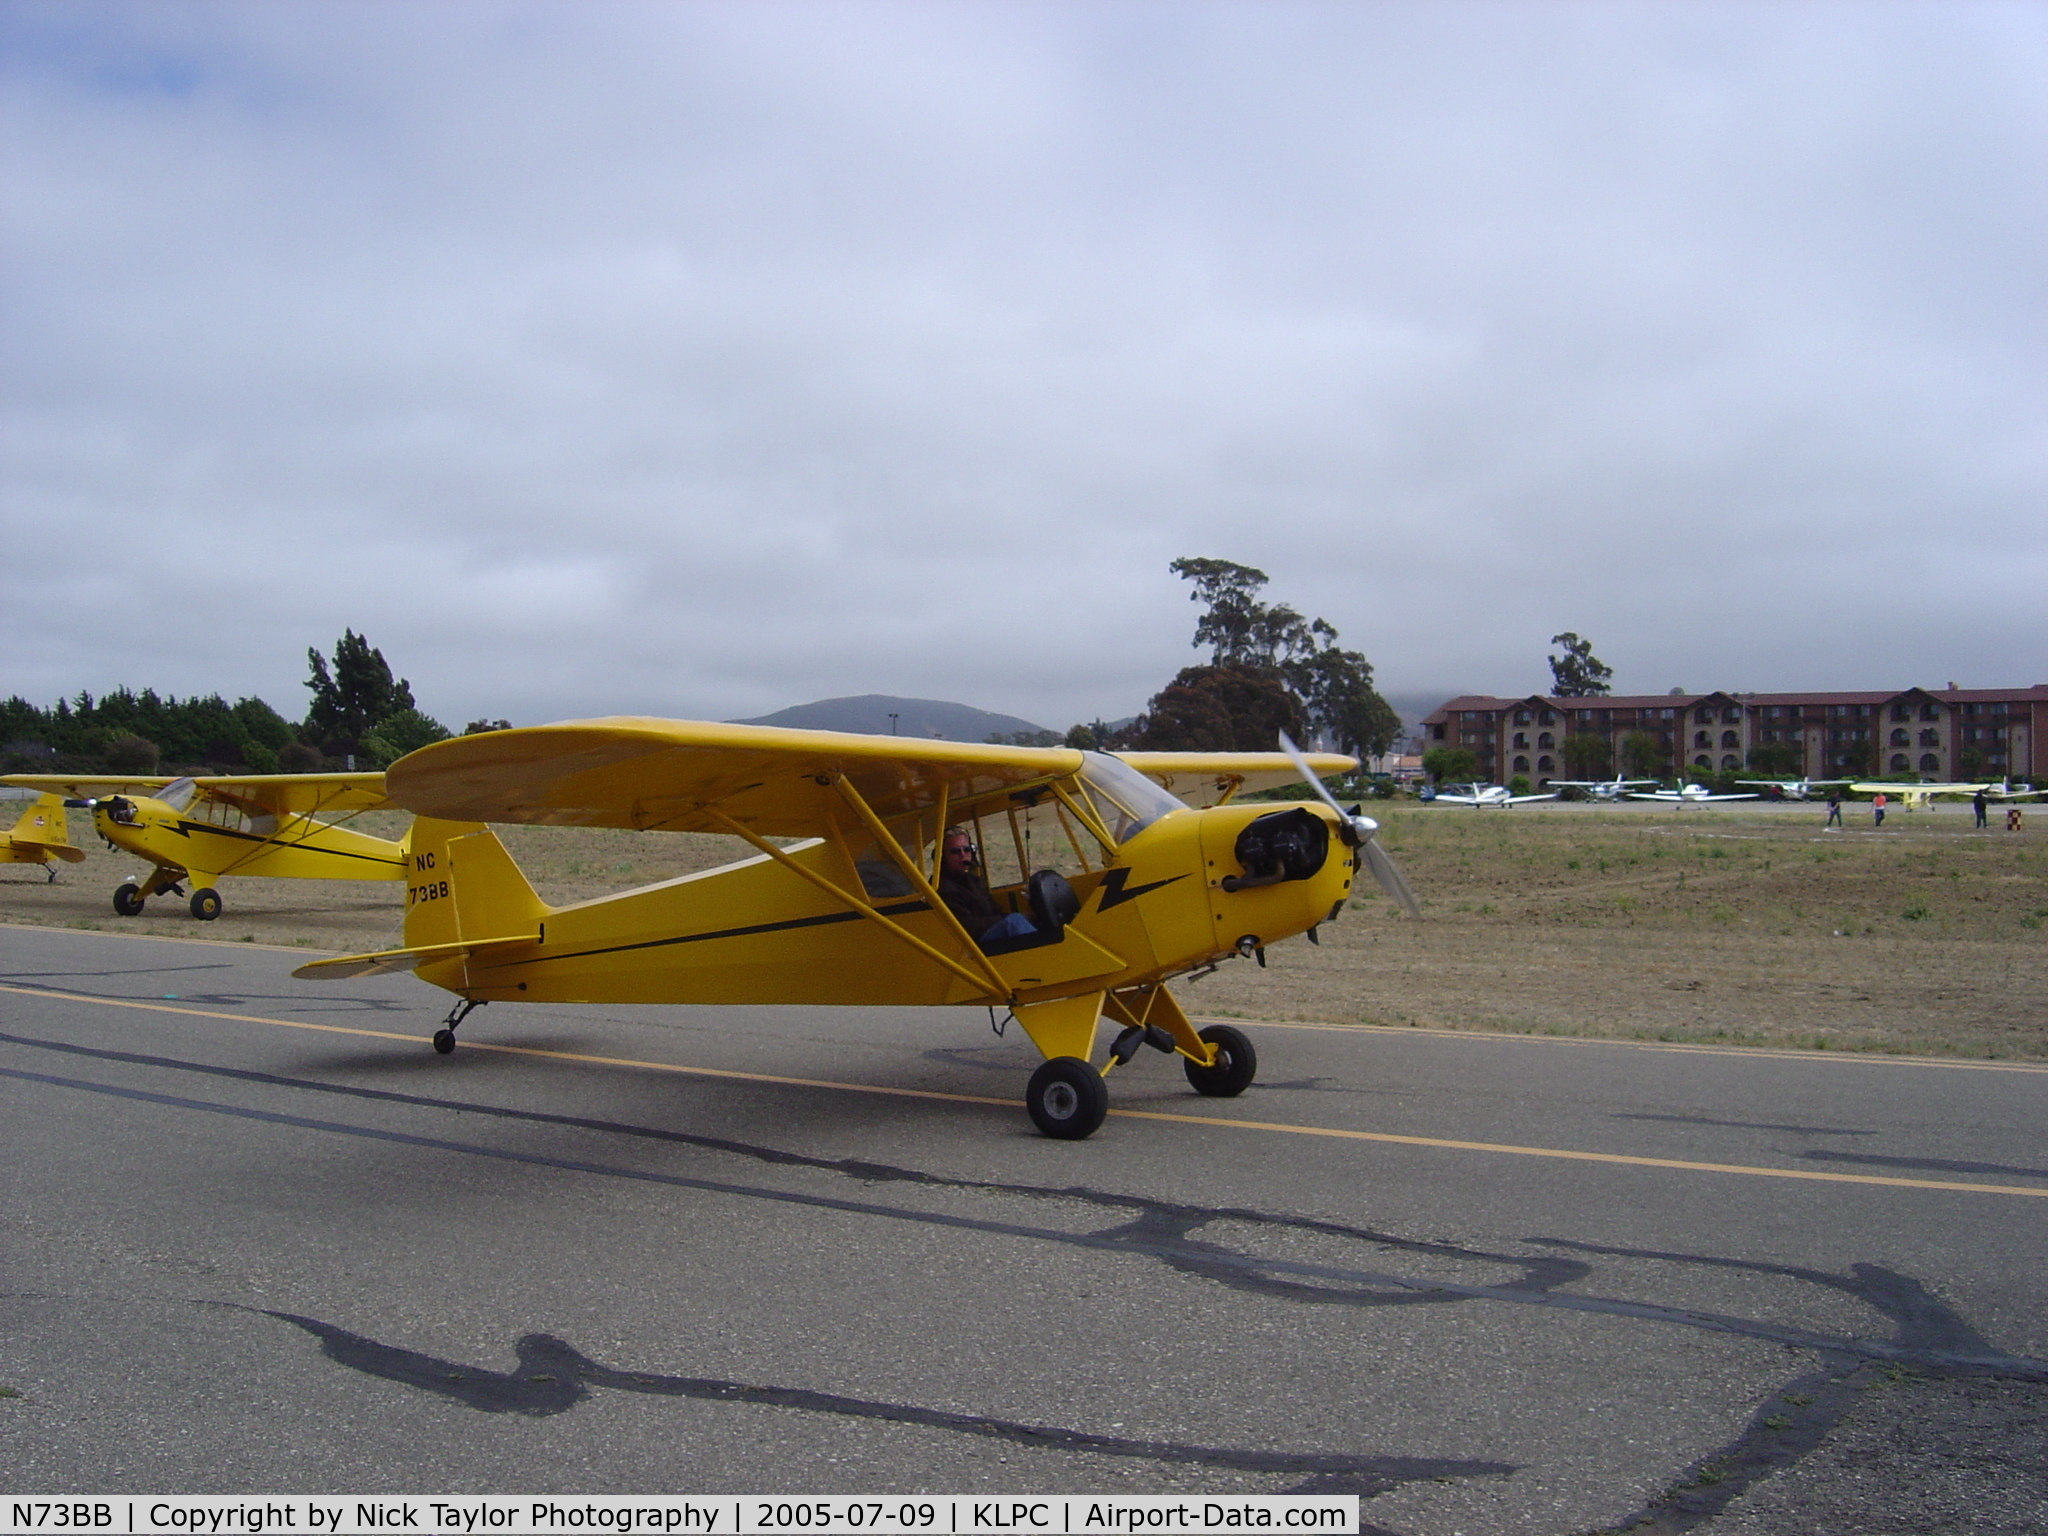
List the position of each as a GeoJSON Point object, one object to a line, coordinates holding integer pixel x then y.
{"type": "Point", "coordinates": [966, 895]}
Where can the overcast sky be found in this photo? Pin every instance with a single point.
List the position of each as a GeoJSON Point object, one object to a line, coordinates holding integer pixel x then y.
{"type": "Point", "coordinates": [699, 360]}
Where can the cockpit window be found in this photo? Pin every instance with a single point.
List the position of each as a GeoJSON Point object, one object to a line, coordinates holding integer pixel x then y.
{"type": "Point", "coordinates": [177, 794]}
{"type": "Point", "coordinates": [1127, 801]}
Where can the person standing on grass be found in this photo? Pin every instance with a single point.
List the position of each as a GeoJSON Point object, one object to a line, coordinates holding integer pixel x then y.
{"type": "Point", "coordinates": [1977, 804]}
{"type": "Point", "coordinates": [1877, 809]}
{"type": "Point", "coordinates": [1834, 820]}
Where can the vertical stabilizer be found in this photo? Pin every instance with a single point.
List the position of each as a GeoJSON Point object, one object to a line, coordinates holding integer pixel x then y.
{"type": "Point", "coordinates": [462, 884]}
{"type": "Point", "coordinates": [44, 824]}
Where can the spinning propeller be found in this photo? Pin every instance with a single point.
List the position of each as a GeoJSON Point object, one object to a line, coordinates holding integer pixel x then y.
{"type": "Point", "coordinates": [1358, 832]}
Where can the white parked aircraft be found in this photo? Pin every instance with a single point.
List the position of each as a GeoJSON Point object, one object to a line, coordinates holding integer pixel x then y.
{"type": "Point", "coordinates": [1602, 789]}
{"type": "Point", "coordinates": [1478, 796]}
{"type": "Point", "coordinates": [1794, 789]}
{"type": "Point", "coordinates": [1690, 794]}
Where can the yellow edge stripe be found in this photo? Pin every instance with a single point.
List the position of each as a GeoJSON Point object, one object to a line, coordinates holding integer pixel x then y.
{"type": "Point", "coordinates": [1845, 1057]}
{"type": "Point", "coordinates": [1128, 1114]}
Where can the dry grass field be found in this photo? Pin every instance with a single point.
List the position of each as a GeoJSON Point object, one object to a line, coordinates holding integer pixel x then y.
{"type": "Point", "coordinates": [1738, 926]}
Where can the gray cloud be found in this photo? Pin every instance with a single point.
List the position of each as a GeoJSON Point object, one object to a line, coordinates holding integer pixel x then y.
{"type": "Point", "coordinates": [703, 359]}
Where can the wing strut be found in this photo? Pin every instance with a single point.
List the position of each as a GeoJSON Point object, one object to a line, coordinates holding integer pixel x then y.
{"type": "Point", "coordinates": [990, 977]}
{"type": "Point", "coordinates": [1000, 990]}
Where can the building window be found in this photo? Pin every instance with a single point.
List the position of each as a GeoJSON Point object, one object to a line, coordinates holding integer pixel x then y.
{"type": "Point", "coordinates": [1898, 762]}
{"type": "Point", "coordinates": [1930, 738]}
{"type": "Point", "coordinates": [1732, 715]}
{"type": "Point", "coordinates": [1930, 712]}
{"type": "Point", "coordinates": [1521, 717]}
{"type": "Point", "coordinates": [1704, 715]}
{"type": "Point", "coordinates": [1731, 761]}
{"type": "Point", "coordinates": [1902, 712]}
{"type": "Point", "coordinates": [1545, 740]}
{"type": "Point", "coordinates": [1521, 738]}
{"type": "Point", "coordinates": [1900, 738]}
{"type": "Point", "coordinates": [1549, 717]}
{"type": "Point", "coordinates": [1436, 733]}
{"type": "Point", "coordinates": [1730, 739]}
{"type": "Point", "coordinates": [1703, 761]}
{"type": "Point", "coordinates": [1521, 765]}
{"type": "Point", "coordinates": [1929, 763]}
{"type": "Point", "coordinates": [1544, 765]}
{"type": "Point", "coordinates": [1702, 738]}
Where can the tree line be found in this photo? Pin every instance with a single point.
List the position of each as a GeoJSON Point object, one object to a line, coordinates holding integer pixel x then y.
{"type": "Point", "coordinates": [360, 715]}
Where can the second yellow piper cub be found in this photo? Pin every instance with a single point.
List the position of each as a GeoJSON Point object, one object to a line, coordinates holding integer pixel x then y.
{"type": "Point", "coordinates": [1118, 885]}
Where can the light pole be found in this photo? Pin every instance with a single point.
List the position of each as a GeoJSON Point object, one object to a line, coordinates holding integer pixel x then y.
{"type": "Point", "coordinates": [892, 722]}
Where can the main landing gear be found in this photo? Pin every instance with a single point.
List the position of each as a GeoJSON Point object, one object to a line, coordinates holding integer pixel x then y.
{"type": "Point", "coordinates": [130, 896]}
{"type": "Point", "coordinates": [1068, 1099]}
{"type": "Point", "coordinates": [444, 1037]}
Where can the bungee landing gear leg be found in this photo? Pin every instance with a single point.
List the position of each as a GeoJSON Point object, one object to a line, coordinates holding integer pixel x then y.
{"type": "Point", "coordinates": [444, 1037]}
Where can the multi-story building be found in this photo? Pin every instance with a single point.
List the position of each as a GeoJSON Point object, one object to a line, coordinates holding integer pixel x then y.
{"type": "Point", "coordinates": [1938, 734]}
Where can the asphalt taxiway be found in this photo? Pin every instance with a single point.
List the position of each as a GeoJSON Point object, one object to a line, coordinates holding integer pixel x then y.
{"type": "Point", "coordinates": [258, 1236]}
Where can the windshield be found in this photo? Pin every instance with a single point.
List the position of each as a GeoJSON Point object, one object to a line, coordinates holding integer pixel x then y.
{"type": "Point", "coordinates": [1127, 800]}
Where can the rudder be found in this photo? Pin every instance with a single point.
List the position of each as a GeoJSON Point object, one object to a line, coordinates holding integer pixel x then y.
{"type": "Point", "coordinates": [462, 885]}
{"type": "Point", "coordinates": [44, 823]}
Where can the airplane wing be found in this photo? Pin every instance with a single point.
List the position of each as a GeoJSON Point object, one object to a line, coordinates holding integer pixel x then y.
{"type": "Point", "coordinates": [1203, 779]}
{"type": "Point", "coordinates": [281, 794]}
{"type": "Point", "coordinates": [1660, 794]}
{"type": "Point", "coordinates": [83, 787]}
{"type": "Point", "coordinates": [1727, 797]}
{"type": "Point", "coordinates": [285, 795]}
{"type": "Point", "coordinates": [687, 775]}
{"type": "Point", "coordinates": [1525, 799]}
{"type": "Point", "coordinates": [1993, 790]}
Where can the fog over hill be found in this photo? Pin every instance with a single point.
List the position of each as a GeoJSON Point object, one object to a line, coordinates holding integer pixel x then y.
{"type": "Point", "coordinates": [869, 714]}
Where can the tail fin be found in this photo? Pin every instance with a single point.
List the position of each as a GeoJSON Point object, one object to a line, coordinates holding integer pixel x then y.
{"type": "Point", "coordinates": [44, 823]}
{"type": "Point", "coordinates": [462, 885]}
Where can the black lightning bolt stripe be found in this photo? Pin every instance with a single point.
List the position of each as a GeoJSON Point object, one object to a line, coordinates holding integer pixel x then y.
{"type": "Point", "coordinates": [1115, 893]}
{"type": "Point", "coordinates": [731, 933]}
{"type": "Point", "coordinates": [187, 828]}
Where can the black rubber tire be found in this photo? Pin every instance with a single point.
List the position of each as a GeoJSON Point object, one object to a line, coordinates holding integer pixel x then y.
{"type": "Point", "coordinates": [206, 904]}
{"type": "Point", "coordinates": [1067, 1098]}
{"type": "Point", "coordinates": [1236, 1063]}
{"type": "Point", "coordinates": [444, 1041]}
{"type": "Point", "coordinates": [128, 900]}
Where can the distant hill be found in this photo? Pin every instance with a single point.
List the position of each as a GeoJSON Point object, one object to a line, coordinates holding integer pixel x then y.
{"type": "Point", "coordinates": [869, 715]}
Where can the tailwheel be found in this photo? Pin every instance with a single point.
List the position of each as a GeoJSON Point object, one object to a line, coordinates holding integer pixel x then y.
{"type": "Point", "coordinates": [1067, 1098]}
{"type": "Point", "coordinates": [128, 900]}
{"type": "Point", "coordinates": [444, 1037]}
{"type": "Point", "coordinates": [206, 904]}
{"type": "Point", "coordinates": [1235, 1066]}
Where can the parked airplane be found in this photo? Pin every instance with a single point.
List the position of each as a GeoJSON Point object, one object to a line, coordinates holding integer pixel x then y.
{"type": "Point", "coordinates": [1921, 797]}
{"type": "Point", "coordinates": [199, 831]}
{"type": "Point", "coordinates": [1479, 796]}
{"type": "Point", "coordinates": [1792, 789]}
{"type": "Point", "coordinates": [1689, 794]}
{"type": "Point", "coordinates": [40, 836]}
{"type": "Point", "coordinates": [1602, 789]}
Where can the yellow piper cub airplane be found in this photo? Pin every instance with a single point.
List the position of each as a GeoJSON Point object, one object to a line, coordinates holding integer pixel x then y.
{"type": "Point", "coordinates": [199, 831]}
{"type": "Point", "coordinates": [40, 836]}
{"type": "Point", "coordinates": [1114, 885]}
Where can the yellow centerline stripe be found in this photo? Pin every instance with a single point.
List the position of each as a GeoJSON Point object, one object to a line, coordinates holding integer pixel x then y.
{"type": "Point", "coordinates": [1844, 1057]}
{"type": "Point", "coordinates": [1853, 1058]}
{"type": "Point", "coordinates": [1441, 1143]}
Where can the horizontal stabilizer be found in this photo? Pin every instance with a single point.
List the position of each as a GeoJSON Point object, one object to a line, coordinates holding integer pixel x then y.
{"type": "Point", "coordinates": [382, 961]}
